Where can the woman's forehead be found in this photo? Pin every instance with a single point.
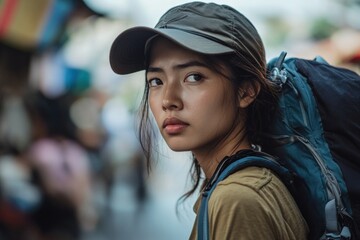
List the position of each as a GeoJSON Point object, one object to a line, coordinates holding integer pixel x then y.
{"type": "Point", "coordinates": [164, 45]}
{"type": "Point", "coordinates": [162, 49]}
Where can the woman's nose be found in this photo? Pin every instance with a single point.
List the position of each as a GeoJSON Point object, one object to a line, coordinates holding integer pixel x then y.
{"type": "Point", "coordinates": [172, 99]}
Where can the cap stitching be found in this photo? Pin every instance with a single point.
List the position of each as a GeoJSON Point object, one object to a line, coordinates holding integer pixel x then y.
{"type": "Point", "coordinates": [233, 29]}
{"type": "Point", "coordinates": [202, 35]}
{"type": "Point", "coordinates": [164, 22]}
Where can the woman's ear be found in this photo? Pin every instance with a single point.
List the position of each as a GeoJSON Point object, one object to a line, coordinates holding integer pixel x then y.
{"type": "Point", "coordinates": [248, 94]}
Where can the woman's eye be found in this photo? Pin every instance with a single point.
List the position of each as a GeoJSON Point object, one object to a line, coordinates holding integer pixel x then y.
{"type": "Point", "coordinates": [194, 78]}
{"type": "Point", "coordinates": [154, 82]}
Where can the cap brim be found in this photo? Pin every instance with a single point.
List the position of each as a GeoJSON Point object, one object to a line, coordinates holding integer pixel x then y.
{"type": "Point", "coordinates": [127, 53]}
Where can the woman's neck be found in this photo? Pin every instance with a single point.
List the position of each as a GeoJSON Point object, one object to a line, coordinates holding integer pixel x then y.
{"type": "Point", "coordinates": [209, 159]}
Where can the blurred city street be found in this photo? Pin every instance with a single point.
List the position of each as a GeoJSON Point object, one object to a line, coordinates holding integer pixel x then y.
{"type": "Point", "coordinates": [156, 217]}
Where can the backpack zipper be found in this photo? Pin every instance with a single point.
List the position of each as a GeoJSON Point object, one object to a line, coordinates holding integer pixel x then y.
{"type": "Point", "coordinates": [331, 181]}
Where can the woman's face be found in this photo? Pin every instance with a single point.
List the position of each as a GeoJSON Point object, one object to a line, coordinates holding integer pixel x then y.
{"type": "Point", "coordinates": [193, 105]}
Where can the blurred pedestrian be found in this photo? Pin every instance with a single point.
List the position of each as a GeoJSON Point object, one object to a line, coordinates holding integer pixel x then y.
{"type": "Point", "coordinates": [62, 171]}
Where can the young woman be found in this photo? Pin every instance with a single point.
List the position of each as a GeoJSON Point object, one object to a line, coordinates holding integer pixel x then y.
{"type": "Point", "coordinates": [206, 87]}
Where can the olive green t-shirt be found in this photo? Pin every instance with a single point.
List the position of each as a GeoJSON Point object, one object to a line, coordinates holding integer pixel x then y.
{"type": "Point", "coordinates": [252, 204]}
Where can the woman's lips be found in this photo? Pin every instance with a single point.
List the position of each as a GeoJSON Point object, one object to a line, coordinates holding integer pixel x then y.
{"type": "Point", "coordinates": [174, 125]}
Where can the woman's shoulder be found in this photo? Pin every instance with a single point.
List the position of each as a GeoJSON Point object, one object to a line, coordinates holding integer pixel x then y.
{"type": "Point", "coordinates": [255, 189]}
{"type": "Point", "coordinates": [256, 197]}
{"type": "Point", "coordinates": [252, 184]}
{"type": "Point", "coordinates": [254, 178]}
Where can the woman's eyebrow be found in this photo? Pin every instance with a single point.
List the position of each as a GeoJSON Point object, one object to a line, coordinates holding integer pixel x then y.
{"type": "Point", "coordinates": [179, 66]}
{"type": "Point", "coordinates": [154, 69]}
{"type": "Point", "coordinates": [191, 64]}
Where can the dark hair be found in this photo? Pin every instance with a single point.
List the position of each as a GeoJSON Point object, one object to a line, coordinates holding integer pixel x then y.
{"type": "Point", "coordinates": [247, 65]}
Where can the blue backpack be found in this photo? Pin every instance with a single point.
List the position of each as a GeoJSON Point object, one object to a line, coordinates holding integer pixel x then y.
{"type": "Point", "coordinates": [315, 139]}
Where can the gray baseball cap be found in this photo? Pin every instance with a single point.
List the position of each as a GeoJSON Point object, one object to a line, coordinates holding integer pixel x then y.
{"type": "Point", "coordinates": [207, 28]}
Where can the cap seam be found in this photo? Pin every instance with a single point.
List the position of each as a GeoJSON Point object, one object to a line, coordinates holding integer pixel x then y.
{"type": "Point", "coordinates": [233, 29]}
{"type": "Point", "coordinates": [201, 35]}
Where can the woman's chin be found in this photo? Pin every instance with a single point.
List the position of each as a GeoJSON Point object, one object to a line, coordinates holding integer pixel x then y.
{"type": "Point", "coordinates": [178, 146]}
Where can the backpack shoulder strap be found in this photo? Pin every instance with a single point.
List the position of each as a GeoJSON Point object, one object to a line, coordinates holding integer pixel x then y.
{"type": "Point", "coordinates": [258, 161]}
